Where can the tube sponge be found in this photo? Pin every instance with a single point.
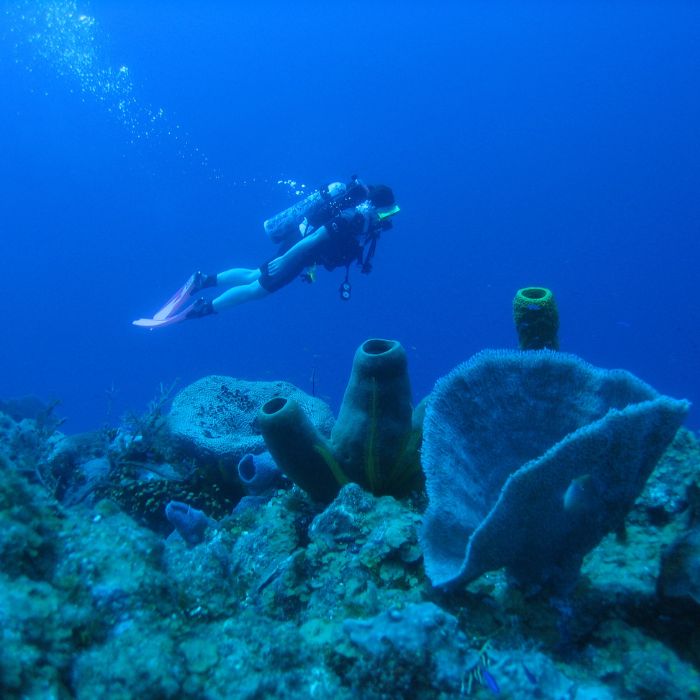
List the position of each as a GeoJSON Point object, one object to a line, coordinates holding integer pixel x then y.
{"type": "Point", "coordinates": [298, 448]}
{"type": "Point", "coordinates": [258, 473]}
{"type": "Point", "coordinates": [375, 442]}
{"type": "Point", "coordinates": [374, 424]}
{"type": "Point", "coordinates": [190, 523]}
{"type": "Point", "coordinates": [536, 318]}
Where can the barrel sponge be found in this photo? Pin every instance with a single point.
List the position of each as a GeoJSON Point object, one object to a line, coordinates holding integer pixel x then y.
{"type": "Point", "coordinates": [216, 416]}
{"type": "Point", "coordinates": [530, 459]}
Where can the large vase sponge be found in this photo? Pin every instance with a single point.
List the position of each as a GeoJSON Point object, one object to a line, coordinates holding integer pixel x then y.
{"type": "Point", "coordinates": [530, 459]}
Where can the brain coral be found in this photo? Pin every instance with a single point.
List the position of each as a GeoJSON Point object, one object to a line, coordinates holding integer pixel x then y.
{"type": "Point", "coordinates": [215, 417]}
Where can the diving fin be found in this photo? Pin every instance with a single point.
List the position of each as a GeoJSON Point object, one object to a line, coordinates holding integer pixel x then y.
{"type": "Point", "coordinates": [197, 309]}
{"type": "Point", "coordinates": [177, 300]}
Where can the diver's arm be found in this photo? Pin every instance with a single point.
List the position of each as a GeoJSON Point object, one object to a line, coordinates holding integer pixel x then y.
{"type": "Point", "coordinates": [299, 252]}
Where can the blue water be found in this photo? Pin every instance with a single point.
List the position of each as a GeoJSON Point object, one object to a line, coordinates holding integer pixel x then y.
{"type": "Point", "coordinates": [540, 143]}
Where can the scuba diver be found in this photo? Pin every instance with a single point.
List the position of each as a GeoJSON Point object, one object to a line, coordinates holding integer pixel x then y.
{"type": "Point", "coordinates": [335, 226]}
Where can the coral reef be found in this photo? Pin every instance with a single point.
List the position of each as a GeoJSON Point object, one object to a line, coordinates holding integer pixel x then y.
{"type": "Point", "coordinates": [290, 598]}
{"type": "Point", "coordinates": [390, 652]}
{"type": "Point", "coordinates": [137, 465]}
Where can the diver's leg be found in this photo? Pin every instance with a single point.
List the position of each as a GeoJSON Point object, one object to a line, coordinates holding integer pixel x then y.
{"type": "Point", "coordinates": [240, 294]}
{"type": "Point", "coordinates": [237, 276]}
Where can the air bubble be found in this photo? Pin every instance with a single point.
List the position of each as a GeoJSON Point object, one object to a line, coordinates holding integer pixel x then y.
{"type": "Point", "coordinates": [53, 33]}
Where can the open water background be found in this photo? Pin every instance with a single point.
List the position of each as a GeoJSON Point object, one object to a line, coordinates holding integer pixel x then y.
{"type": "Point", "coordinates": [530, 143]}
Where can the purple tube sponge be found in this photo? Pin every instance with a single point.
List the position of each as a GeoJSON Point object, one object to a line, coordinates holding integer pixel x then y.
{"type": "Point", "coordinates": [190, 523]}
{"type": "Point", "coordinates": [258, 473]}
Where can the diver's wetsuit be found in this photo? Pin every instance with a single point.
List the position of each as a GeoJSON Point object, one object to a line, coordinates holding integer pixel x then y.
{"type": "Point", "coordinates": [343, 247]}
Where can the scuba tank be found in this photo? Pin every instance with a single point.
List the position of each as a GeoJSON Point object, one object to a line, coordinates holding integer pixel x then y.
{"type": "Point", "coordinates": [318, 209]}
{"type": "Point", "coordinates": [286, 224]}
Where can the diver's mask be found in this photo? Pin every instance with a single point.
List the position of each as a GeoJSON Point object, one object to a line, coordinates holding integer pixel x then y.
{"type": "Point", "coordinates": [387, 212]}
